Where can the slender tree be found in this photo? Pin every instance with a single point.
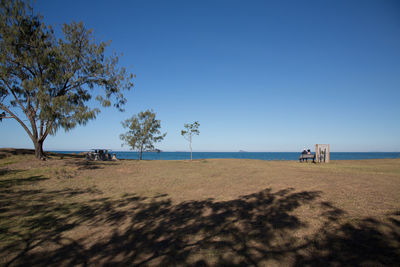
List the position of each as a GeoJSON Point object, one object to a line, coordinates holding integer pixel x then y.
{"type": "Point", "coordinates": [189, 132]}
{"type": "Point", "coordinates": [45, 82]}
{"type": "Point", "coordinates": [143, 132]}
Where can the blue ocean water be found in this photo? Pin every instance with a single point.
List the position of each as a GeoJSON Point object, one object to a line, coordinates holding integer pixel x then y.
{"type": "Point", "coordinates": [246, 155]}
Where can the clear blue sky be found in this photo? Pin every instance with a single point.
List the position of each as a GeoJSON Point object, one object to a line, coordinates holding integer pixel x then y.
{"type": "Point", "coordinates": [257, 75]}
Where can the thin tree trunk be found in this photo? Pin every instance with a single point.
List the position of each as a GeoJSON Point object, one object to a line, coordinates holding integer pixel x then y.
{"type": "Point", "coordinates": [191, 158]}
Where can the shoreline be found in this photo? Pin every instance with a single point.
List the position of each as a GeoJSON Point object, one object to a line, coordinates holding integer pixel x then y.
{"type": "Point", "coordinates": [199, 156]}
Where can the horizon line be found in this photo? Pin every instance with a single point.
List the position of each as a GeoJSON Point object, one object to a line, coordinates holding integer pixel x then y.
{"type": "Point", "coordinates": [180, 151]}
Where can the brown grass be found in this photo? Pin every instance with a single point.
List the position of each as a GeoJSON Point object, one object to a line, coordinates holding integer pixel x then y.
{"type": "Point", "coordinates": [206, 212]}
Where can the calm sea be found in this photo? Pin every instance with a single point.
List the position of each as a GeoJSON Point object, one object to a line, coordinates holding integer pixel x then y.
{"type": "Point", "coordinates": [246, 155]}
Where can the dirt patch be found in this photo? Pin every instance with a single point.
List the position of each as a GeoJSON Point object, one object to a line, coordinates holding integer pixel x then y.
{"type": "Point", "coordinates": [223, 212]}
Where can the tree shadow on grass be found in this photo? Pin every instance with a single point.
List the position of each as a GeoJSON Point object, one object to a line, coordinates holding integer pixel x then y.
{"type": "Point", "coordinates": [366, 242]}
{"type": "Point", "coordinates": [255, 229]}
{"type": "Point", "coordinates": [7, 183]}
{"type": "Point", "coordinates": [83, 164]}
{"type": "Point", "coordinates": [7, 171]}
{"type": "Point", "coordinates": [16, 151]}
{"type": "Point", "coordinates": [5, 152]}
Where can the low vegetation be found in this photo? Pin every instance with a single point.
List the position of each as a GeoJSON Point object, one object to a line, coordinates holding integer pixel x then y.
{"type": "Point", "coordinates": [209, 212]}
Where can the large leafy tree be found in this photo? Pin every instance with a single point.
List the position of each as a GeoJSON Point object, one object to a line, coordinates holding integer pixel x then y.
{"type": "Point", "coordinates": [46, 83]}
{"type": "Point", "coordinates": [143, 132]}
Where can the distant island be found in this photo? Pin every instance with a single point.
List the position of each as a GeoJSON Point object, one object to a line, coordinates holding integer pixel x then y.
{"type": "Point", "coordinates": [242, 151]}
{"type": "Point", "coordinates": [154, 150]}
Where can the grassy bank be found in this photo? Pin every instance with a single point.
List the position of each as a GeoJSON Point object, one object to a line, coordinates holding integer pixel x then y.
{"type": "Point", "coordinates": [67, 211]}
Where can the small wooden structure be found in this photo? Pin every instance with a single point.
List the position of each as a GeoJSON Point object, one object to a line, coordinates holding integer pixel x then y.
{"type": "Point", "coordinates": [322, 153]}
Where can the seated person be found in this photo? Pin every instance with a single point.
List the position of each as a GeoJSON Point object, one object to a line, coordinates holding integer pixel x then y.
{"type": "Point", "coordinates": [304, 151]}
{"type": "Point", "coordinates": [309, 152]}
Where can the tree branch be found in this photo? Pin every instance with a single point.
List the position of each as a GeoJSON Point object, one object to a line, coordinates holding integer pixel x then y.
{"type": "Point", "coordinates": [47, 131]}
{"type": "Point", "coordinates": [23, 66]}
{"type": "Point", "coordinates": [41, 127]}
{"type": "Point", "coordinates": [29, 113]}
{"type": "Point", "coordinates": [16, 98]}
{"type": "Point", "coordinates": [17, 119]}
{"type": "Point", "coordinates": [65, 88]}
{"type": "Point", "coordinates": [72, 86]}
{"type": "Point", "coordinates": [188, 137]}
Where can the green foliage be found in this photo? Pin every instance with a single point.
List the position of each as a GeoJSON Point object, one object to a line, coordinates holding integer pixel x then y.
{"type": "Point", "coordinates": [143, 131]}
{"type": "Point", "coordinates": [190, 130]}
{"type": "Point", "coordinates": [52, 80]}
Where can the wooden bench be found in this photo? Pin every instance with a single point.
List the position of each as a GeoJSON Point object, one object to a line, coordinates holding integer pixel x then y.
{"type": "Point", "coordinates": [306, 157]}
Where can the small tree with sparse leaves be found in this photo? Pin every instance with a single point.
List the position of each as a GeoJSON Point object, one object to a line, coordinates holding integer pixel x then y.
{"type": "Point", "coordinates": [143, 132]}
{"type": "Point", "coordinates": [189, 132]}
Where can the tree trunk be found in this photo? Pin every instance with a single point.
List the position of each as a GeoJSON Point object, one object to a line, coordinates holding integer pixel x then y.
{"type": "Point", "coordinates": [141, 152]}
{"type": "Point", "coordinates": [191, 158]}
{"type": "Point", "coordinates": [39, 149]}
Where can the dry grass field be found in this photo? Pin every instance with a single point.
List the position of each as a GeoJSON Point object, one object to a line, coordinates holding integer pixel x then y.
{"type": "Point", "coordinates": [69, 212]}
